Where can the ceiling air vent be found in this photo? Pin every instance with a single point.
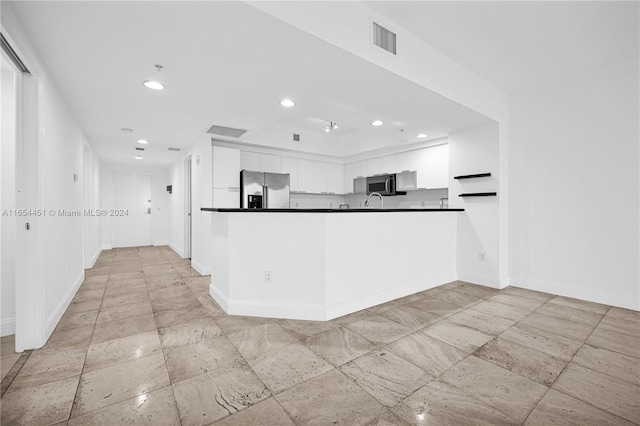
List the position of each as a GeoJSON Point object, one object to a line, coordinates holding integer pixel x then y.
{"type": "Point", "coordinates": [384, 38]}
{"type": "Point", "coordinates": [225, 131]}
{"type": "Point", "coordinates": [174, 149]}
{"type": "Point", "coordinates": [296, 137]}
{"type": "Point", "coordinates": [139, 149]}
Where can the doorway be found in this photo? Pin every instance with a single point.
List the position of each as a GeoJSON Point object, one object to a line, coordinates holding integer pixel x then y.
{"type": "Point", "coordinates": [131, 215]}
{"type": "Point", "coordinates": [187, 204]}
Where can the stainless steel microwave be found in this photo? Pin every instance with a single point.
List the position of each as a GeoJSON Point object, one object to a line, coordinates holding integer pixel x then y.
{"type": "Point", "coordinates": [383, 184]}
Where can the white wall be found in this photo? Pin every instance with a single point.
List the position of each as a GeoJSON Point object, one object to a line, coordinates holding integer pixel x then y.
{"type": "Point", "coordinates": [575, 186]}
{"type": "Point", "coordinates": [92, 224]}
{"type": "Point", "coordinates": [475, 151]}
{"type": "Point", "coordinates": [8, 202]}
{"type": "Point", "coordinates": [160, 201]}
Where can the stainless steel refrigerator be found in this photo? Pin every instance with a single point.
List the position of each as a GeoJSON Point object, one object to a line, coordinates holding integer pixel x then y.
{"type": "Point", "coordinates": [264, 190]}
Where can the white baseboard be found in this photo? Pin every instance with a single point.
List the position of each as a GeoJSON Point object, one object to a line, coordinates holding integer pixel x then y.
{"type": "Point", "coordinates": [220, 298]}
{"type": "Point", "coordinates": [202, 270]}
{"type": "Point", "coordinates": [626, 301]}
{"type": "Point", "coordinates": [256, 309]}
{"type": "Point", "coordinates": [176, 249]}
{"type": "Point", "coordinates": [8, 327]}
{"type": "Point", "coordinates": [491, 282]}
{"type": "Point", "coordinates": [54, 318]}
{"type": "Point", "coordinates": [94, 259]}
{"type": "Point", "coordinates": [106, 247]}
{"type": "Point", "coordinates": [160, 243]}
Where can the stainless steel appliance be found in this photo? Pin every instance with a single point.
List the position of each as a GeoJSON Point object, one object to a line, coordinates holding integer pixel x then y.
{"type": "Point", "coordinates": [383, 184]}
{"type": "Point", "coordinates": [264, 190]}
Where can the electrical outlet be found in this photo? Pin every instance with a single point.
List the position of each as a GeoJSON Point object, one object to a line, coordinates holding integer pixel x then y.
{"type": "Point", "coordinates": [267, 277]}
{"type": "Point", "coordinates": [481, 256]}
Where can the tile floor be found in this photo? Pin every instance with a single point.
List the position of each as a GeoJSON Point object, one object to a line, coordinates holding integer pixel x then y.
{"type": "Point", "coordinates": [143, 343]}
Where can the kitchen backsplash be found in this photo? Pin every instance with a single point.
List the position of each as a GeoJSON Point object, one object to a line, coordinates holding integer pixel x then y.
{"type": "Point", "coordinates": [427, 198]}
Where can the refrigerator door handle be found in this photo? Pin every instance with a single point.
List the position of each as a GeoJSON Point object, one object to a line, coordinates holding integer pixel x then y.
{"type": "Point", "coordinates": [265, 196]}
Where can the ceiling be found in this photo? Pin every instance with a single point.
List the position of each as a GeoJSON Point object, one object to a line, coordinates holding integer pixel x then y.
{"type": "Point", "coordinates": [517, 44]}
{"type": "Point", "coordinates": [225, 63]}
{"type": "Point", "coordinates": [229, 64]}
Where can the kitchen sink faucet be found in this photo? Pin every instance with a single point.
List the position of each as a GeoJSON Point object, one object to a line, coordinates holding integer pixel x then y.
{"type": "Point", "coordinates": [366, 203]}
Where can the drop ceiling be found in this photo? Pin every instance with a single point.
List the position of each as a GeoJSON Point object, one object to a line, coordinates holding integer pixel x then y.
{"type": "Point", "coordinates": [226, 64]}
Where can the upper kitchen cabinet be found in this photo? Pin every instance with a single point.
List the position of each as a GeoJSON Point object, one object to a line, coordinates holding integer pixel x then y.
{"type": "Point", "coordinates": [374, 166]}
{"type": "Point", "coordinates": [250, 161]}
{"type": "Point", "coordinates": [226, 167]}
{"type": "Point", "coordinates": [290, 165]}
{"type": "Point", "coordinates": [305, 176]}
{"type": "Point", "coordinates": [320, 177]}
{"type": "Point", "coordinates": [334, 178]}
{"type": "Point", "coordinates": [352, 171]}
{"type": "Point", "coordinates": [389, 164]}
{"type": "Point", "coordinates": [431, 164]}
{"type": "Point", "coordinates": [270, 163]}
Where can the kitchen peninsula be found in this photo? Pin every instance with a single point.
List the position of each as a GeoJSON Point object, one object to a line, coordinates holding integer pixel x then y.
{"type": "Point", "coordinates": [319, 264]}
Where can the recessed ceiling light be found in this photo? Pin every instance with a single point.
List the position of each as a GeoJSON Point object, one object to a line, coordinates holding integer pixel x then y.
{"type": "Point", "coordinates": [138, 157]}
{"type": "Point", "coordinates": [377, 123]}
{"type": "Point", "coordinates": [287, 103]}
{"type": "Point", "coordinates": [153, 85]}
{"type": "Point", "coordinates": [144, 142]}
{"type": "Point", "coordinates": [422, 135]}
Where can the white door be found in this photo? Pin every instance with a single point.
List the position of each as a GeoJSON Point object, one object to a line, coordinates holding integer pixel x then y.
{"type": "Point", "coordinates": [131, 215]}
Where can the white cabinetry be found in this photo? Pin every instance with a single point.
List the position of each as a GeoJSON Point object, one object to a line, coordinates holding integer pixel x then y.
{"type": "Point", "coordinates": [226, 177]}
{"type": "Point", "coordinates": [305, 176]}
{"type": "Point", "coordinates": [388, 164]}
{"type": "Point", "coordinates": [320, 176]}
{"type": "Point", "coordinates": [270, 163]}
{"type": "Point", "coordinates": [334, 178]}
{"type": "Point", "coordinates": [250, 161]}
{"type": "Point", "coordinates": [352, 171]}
{"type": "Point", "coordinates": [290, 165]}
{"type": "Point", "coordinates": [432, 165]}
{"type": "Point", "coordinates": [374, 166]}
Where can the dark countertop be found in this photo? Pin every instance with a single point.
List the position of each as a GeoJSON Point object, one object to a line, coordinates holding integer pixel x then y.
{"type": "Point", "coordinates": [211, 209]}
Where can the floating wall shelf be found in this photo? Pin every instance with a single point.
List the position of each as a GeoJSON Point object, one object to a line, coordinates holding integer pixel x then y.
{"type": "Point", "coordinates": [479, 194]}
{"type": "Point", "coordinates": [472, 176]}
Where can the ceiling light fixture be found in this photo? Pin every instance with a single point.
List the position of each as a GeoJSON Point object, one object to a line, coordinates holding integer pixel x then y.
{"type": "Point", "coordinates": [287, 103]}
{"type": "Point", "coordinates": [331, 126]}
{"type": "Point", "coordinates": [422, 135]}
{"type": "Point", "coordinates": [142, 141]}
{"type": "Point", "coordinates": [155, 85]}
{"type": "Point", "coordinates": [138, 157]}
{"type": "Point", "coordinates": [377, 123]}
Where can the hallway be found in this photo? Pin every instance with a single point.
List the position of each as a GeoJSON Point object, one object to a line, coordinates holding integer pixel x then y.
{"type": "Point", "coordinates": [143, 343]}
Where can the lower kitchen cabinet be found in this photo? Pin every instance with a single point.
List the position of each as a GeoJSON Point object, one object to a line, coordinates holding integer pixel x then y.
{"type": "Point", "coordinates": [226, 198]}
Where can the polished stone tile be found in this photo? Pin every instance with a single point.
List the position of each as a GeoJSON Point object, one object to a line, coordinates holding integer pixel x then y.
{"type": "Point", "coordinates": [411, 317]}
{"type": "Point", "coordinates": [69, 338]}
{"type": "Point", "coordinates": [388, 419]}
{"type": "Point", "coordinates": [234, 323]}
{"type": "Point", "coordinates": [164, 281]}
{"type": "Point", "coordinates": [287, 366]}
{"type": "Point", "coordinates": [458, 298]}
{"type": "Point", "coordinates": [384, 307]}
{"type": "Point", "coordinates": [501, 310]}
{"type": "Point", "coordinates": [210, 305]}
{"type": "Point", "coordinates": [125, 276]}
{"type": "Point", "coordinates": [543, 341]}
{"type": "Point", "coordinates": [625, 314]}
{"type": "Point", "coordinates": [181, 315]}
{"type": "Point", "coordinates": [265, 413]}
{"type": "Point", "coordinates": [486, 323]}
{"type": "Point", "coordinates": [184, 362]}
{"type": "Point", "coordinates": [517, 301]}
{"type": "Point", "coordinates": [8, 349]}
{"type": "Point", "coordinates": [111, 302]}
{"type": "Point", "coordinates": [439, 403]}
{"type": "Point", "coordinates": [580, 304]}
{"type": "Point", "coordinates": [86, 295]}
{"type": "Point", "coordinates": [527, 362]}
{"type": "Point", "coordinates": [620, 325]}
{"type": "Point", "coordinates": [508, 392]}
{"type": "Point", "coordinates": [261, 339]}
{"type": "Point", "coordinates": [111, 352]}
{"type": "Point", "coordinates": [605, 392]}
{"type": "Point", "coordinates": [124, 311]}
{"type": "Point", "coordinates": [129, 290]}
{"type": "Point", "coordinates": [46, 367]}
{"type": "Point", "coordinates": [330, 399]}
{"type": "Point", "coordinates": [560, 409]}
{"type": "Point", "coordinates": [352, 317]}
{"type": "Point", "coordinates": [458, 335]}
{"type": "Point", "coordinates": [339, 345]}
{"type": "Point", "coordinates": [436, 306]}
{"type": "Point", "coordinates": [432, 355]}
{"type": "Point", "coordinates": [618, 342]}
{"type": "Point", "coordinates": [122, 328]}
{"type": "Point", "coordinates": [566, 328]}
{"type": "Point", "coordinates": [531, 294]}
{"type": "Point", "coordinates": [77, 319]}
{"type": "Point", "coordinates": [90, 305]}
{"type": "Point", "coordinates": [40, 405]}
{"type": "Point", "coordinates": [92, 286]}
{"type": "Point", "coordinates": [614, 364]}
{"type": "Point", "coordinates": [385, 376]}
{"type": "Point", "coordinates": [304, 329]}
{"type": "Point", "coordinates": [189, 333]}
{"type": "Point", "coordinates": [154, 408]}
{"type": "Point", "coordinates": [570, 314]}
{"type": "Point", "coordinates": [107, 386]}
{"type": "Point", "coordinates": [476, 290]}
{"type": "Point", "coordinates": [7, 363]}
{"type": "Point", "coordinates": [379, 330]}
{"type": "Point", "coordinates": [209, 397]}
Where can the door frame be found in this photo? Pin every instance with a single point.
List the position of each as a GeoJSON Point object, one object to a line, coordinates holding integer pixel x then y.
{"type": "Point", "coordinates": [188, 197]}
